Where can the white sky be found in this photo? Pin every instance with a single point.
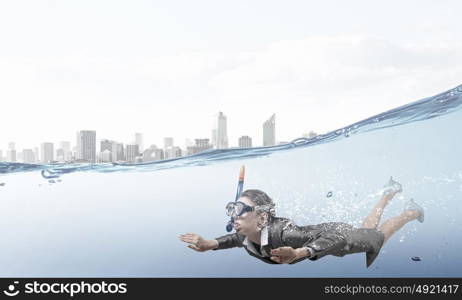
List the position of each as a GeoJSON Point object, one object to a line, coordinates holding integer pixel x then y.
{"type": "Point", "coordinates": [165, 68]}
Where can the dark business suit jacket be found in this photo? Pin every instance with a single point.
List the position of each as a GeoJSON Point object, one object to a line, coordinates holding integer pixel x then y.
{"type": "Point", "coordinates": [333, 238]}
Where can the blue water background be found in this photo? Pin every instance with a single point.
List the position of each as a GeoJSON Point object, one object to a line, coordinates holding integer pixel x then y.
{"type": "Point", "coordinates": [124, 220]}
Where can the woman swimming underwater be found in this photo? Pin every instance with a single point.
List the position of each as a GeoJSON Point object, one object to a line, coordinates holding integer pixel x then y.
{"type": "Point", "coordinates": [278, 240]}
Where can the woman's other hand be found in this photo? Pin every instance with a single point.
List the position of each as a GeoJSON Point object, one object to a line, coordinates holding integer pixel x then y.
{"type": "Point", "coordinates": [286, 255]}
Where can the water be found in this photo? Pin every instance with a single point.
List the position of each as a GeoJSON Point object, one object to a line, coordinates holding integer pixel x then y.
{"type": "Point", "coordinates": [124, 220]}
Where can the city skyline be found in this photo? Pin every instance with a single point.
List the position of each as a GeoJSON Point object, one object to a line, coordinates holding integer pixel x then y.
{"type": "Point", "coordinates": [90, 149]}
{"type": "Point", "coordinates": [157, 139]}
{"type": "Point", "coordinates": [165, 71]}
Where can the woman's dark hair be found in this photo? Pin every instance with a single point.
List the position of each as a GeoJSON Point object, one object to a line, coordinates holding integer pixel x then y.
{"type": "Point", "coordinates": [263, 202]}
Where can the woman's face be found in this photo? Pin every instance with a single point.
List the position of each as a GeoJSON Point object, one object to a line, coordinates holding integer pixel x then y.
{"type": "Point", "coordinates": [248, 222]}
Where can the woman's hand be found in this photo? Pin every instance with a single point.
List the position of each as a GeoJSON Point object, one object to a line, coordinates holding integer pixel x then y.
{"type": "Point", "coordinates": [196, 242]}
{"type": "Point", "coordinates": [286, 255]}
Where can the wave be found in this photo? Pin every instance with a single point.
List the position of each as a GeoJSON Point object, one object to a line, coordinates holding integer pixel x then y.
{"type": "Point", "coordinates": [427, 108]}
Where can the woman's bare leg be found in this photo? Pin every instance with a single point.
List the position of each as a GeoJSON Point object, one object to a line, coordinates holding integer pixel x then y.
{"type": "Point", "coordinates": [391, 188]}
{"type": "Point", "coordinates": [373, 219]}
{"type": "Point", "coordinates": [392, 225]}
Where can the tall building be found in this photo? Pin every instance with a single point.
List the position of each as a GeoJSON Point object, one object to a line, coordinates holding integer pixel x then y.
{"type": "Point", "coordinates": [66, 150]}
{"type": "Point", "coordinates": [153, 153]}
{"type": "Point", "coordinates": [269, 131]}
{"type": "Point", "coordinates": [168, 142]}
{"type": "Point", "coordinates": [11, 152]}
{"type": "Point", "coordinates": [132, 151]}
{"type": "Point", "coordinates": [1, 155]}
{"type": "Point", "coordinates": [245, 142]}
{"type": "Point", "coordinates": [139, 141]}
{"type": "Point", "coordinates": [201, 145]}
{"type": "Point", "coordinates": [172, 152]}
{"type": "Point", "coordinates": [106, 145]}
{"type": "Point", "coordinates": [86, 146]}
{"type": "Point", "coordinates": [112, 149]}
{"type": "Point", "coordinates": [118, 153]}
{"type": "Point", "coordinates": [219, 132]}
{"type": "Point", "coordinates": [47, 151]}
{"type": "Point", "coordinates": [105, 156]}
{"type": "Point", "coordinates": [28, 156]}
{"type": "Point", "coordinates": [60, 155]}
{"type": "Point", "coordinates": [11, 155]}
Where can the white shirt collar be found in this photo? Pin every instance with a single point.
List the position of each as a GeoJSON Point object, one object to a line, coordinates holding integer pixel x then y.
{"type": "Point", "coordinates": [263, 242]}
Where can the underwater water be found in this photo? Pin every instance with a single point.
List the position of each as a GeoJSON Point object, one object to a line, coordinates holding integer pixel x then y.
{"type": "Point", "coordinates": [124, 220]}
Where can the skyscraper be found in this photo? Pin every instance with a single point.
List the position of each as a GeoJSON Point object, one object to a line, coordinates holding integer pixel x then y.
{"type": "Point", "coordinates": [132, 151]}
{"type": "Point", "coordinates": [168, 142]}
{"type": "Point", "coordinates": [67, 153]}
{"type": "Point", "coordinates": [60, 155]}
{"type": "Point", "coordinates": [201, 145]}
{"type": "Point", "coordinates": [105, 156]}
{"type": "Point", "coordinates": [1, 155]}
{"type": "Point", "coordinates": [11, 155]}
{"type": "Point", "coordinates": [219, 132]}
{"type": "Point", "coordinates": [107, 148]}
{"type": "Point", "coordinates": [86, 146]}
{"type": "Point", "coordinates": [139, 141]}
{"type": "Point", "coordinates": [47, 151]}
{"type": "Point", "coordinates": [11, 152]}
{"type": "Point", "coordinates": [28, 156]}
{"type": "Point", "coordinates": [269, 131]}
{"type": "Point", "coordinates": [153, 153]}
{"type": "Point", "coordinates": [118, 152]}
{"type": "Point", "coordinates": [172, 152]}
{"type": "Point", "coordinates": [245, 141]}
{"type": "Point", "coordinates": [106, 145]}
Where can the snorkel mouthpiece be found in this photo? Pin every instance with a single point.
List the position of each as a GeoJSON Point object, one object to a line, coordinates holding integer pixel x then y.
{"type": "Point", "coordinates": [229, 226]}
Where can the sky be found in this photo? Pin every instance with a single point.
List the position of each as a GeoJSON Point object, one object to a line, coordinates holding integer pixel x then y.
{"type": "Point", "coordinates": [166, 68]}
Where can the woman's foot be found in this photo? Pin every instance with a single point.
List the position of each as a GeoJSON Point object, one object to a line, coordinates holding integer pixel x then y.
{"type": "Point", "coordinates": [413, 208]}
{"type": "Point", "coordinates": [392, 187]}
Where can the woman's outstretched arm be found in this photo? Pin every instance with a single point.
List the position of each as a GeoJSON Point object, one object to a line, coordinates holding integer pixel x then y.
{"type": "Point", "coordinates": [198, 243]}
{"type": "Point", "coordinates": [230, 241]}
